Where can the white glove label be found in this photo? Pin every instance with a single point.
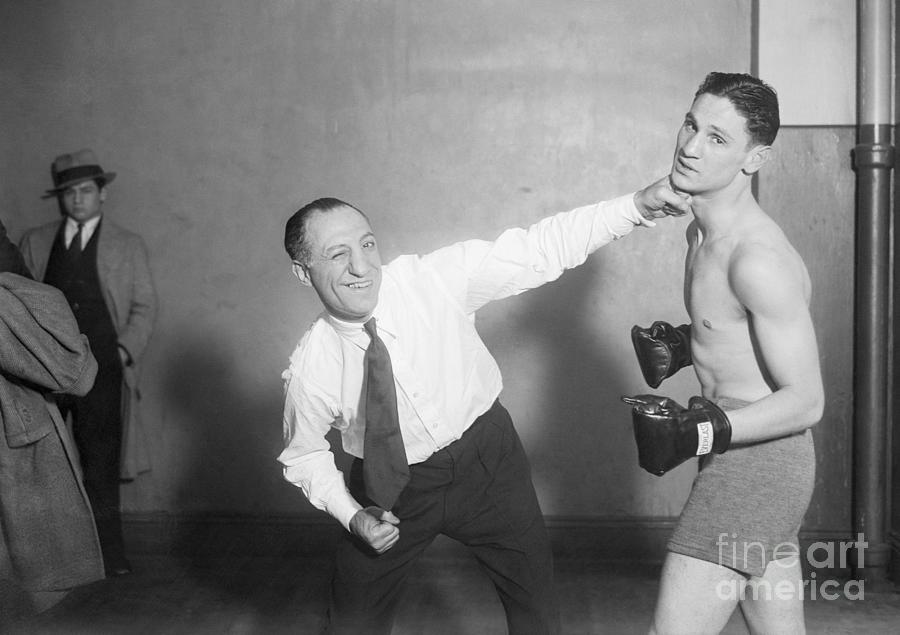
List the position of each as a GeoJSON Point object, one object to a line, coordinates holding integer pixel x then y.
{"type": "Point", "coordinates": [704, 438]}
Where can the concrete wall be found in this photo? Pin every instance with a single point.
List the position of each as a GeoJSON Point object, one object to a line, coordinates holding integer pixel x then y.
{"type": "Point", "coordinates": [809, 189]}
{"type": "Point", "coordinates": [443, 121]}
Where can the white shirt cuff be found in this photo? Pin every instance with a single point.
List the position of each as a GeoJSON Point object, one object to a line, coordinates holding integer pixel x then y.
{"type": "Point", "coordinates": [621, 215]}
{"type": "Point", "coordinates": [343, 508]}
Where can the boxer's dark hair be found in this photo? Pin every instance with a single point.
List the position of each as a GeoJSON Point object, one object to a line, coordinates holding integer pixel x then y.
{"type": "Point", "coordinates": [295, 229]}
{"type": "Point", "coordinates": [754, 99]}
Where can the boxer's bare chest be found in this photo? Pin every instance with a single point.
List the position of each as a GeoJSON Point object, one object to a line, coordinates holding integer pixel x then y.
{"type": "Point", "coordinates": [708, 295]}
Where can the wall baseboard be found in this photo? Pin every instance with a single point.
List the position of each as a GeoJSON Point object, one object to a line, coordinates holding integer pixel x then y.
{"type": "Point", "coordinates": [634, 539]}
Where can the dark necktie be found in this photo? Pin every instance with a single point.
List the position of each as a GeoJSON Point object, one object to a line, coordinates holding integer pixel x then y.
{"type": "Point", "coordinates": [75, 245]}
{"type": "Point", "coordinates": [385, 470]}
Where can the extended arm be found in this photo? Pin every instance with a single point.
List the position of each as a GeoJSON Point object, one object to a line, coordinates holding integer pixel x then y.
{"type": "Point", "coordinates": [477, 272]}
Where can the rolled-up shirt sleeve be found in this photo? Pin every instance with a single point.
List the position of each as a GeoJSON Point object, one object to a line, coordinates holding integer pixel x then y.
{"type": "Point", "coordinates": [478, 271]}
{"type": "Point", "coordinates": [307, 458]}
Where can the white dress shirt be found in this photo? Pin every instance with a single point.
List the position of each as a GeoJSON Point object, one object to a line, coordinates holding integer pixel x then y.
{"type": "Point", "coordinates": [87, 230]}
{"type": "Point", "coordinates": [444, 374]}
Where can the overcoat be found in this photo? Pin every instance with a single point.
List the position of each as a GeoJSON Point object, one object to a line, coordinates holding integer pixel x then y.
{"type": "Point", "coordinates": [124, 273]}
{"type": "Point", "coordinates": [48, 538]}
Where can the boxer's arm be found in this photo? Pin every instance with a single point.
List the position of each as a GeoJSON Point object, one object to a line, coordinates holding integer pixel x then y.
{"type": "Point", "coordinates": [771, 289]}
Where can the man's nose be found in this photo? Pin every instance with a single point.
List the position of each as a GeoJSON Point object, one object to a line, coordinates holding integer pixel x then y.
{"type": "Point", "coordinates": [359, 264]}
{"type": "Point", "coordinates": [691, 146]}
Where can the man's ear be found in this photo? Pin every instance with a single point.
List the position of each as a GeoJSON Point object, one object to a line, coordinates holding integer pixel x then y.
{"type": "Point", "coordinates": [301, 272]}
{"type": "Point", "coordinates": [757, 158]}
{"type": "Point", "coordinates": [103, 194]}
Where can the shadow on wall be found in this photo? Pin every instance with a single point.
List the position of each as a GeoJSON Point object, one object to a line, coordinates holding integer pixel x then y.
{"type": "Point", "coordinates": [581, 446]}
{"type": "Point", "coordinates": [217, 460]}
{"type": "Point", "coordinates": [226, 428]}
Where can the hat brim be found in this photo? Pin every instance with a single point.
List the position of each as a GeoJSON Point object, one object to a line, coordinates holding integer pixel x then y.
{"type": "Point", "coordinates": [108, 177]}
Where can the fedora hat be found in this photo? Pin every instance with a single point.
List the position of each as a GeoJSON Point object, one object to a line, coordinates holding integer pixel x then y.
{"type": "Point", "coordinates": [73, 168]}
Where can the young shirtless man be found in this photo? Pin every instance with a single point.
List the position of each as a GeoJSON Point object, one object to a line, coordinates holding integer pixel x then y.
{"type": "Point", "coordinates": [752, 344]}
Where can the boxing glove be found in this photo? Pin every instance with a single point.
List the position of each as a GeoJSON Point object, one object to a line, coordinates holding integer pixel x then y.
{"type": "Point", "coordinates": [668, 434]}
{"type": "Point", "coordinates": [662, 350]}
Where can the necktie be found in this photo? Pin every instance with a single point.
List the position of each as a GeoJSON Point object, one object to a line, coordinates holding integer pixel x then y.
{"type": "Point", "coordinates": [75, 245]}
{"type": "Point", "coordinates": [385, 470]}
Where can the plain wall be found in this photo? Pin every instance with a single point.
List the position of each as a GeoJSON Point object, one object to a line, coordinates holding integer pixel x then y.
{"type": "Point", "coordinates": [443, 121]}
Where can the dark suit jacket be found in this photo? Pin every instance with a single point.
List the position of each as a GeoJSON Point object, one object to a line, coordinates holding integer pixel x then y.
{"type": "Point", "coordinates": [48, 532]}
{"type": "Point", "coordinates": [124, 273]}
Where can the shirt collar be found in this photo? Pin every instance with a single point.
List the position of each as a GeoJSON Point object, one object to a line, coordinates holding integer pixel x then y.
{"type": "Point", "coordinates": [89, 225]}
{"type": "Point", "coordinates": [354, 331]}
{"type": "Point", "coordinates": [343, 327]}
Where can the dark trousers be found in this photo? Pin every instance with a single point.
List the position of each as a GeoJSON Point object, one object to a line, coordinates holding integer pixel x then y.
{"type": "Point", "coordinates": [97, 429]}
{"type": "Point", "coordinates": [478, 491]}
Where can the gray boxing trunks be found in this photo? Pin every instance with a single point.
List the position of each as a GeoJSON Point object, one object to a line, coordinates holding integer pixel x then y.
{"type": "Point", "coordinates": [746, 505]}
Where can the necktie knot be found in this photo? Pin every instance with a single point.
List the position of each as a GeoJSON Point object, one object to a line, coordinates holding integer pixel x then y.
{"type": "Point", "coordinates": [370, 328]}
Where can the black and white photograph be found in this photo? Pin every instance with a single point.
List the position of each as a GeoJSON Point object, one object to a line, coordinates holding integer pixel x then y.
{"type": "Point", "coordinates": [433, 317]}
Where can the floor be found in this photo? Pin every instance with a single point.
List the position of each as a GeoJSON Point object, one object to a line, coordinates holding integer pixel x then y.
{"type": "Point", "coordinates": [447, 596]}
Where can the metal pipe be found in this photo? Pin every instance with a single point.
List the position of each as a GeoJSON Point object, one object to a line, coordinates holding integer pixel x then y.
{"type": "Point", "coordinates": [873, 162]}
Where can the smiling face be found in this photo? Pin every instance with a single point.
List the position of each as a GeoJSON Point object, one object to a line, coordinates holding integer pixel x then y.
{"type": "Point", "coordinates": [714, 147]}
{"type": "Point", "coordinates": [344, 265]}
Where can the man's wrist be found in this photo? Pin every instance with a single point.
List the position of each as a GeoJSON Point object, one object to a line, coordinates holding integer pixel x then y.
{"type": "Point", "coordinates": [343, 511]}
{"type": "Point", "coordinates": [643, 215]}
{"type": "Point", "coordinates": [620, 215]}
{"type": "Point", "coordinates": [637, 207]}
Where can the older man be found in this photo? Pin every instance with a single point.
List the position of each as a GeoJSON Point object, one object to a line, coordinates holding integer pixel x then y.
{"type": "Point", "coordinates": [103, 272]}
{"type": "Point", "coordinates": [396, 365]}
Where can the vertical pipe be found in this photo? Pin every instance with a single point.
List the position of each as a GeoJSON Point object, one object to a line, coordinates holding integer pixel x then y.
{"type": "Point", "coordinates": [873, 162]}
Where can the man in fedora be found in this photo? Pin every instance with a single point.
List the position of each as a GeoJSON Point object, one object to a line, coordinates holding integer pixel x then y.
{"type": "Point", "coordinates": [104, 274]}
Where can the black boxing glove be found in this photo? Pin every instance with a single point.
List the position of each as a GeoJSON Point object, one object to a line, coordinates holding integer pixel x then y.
{"type": "Point", "coordinates": [662, 350]}
{"type": "Point", "coordinates": [669, 434]}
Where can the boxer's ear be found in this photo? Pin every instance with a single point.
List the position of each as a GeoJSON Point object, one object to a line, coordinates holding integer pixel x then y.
{"type": "Point", "coordinates": [757, 158]}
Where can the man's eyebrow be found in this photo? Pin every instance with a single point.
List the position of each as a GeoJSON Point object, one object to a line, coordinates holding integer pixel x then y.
{"type": "Point", "coordinates": [343, 245]}
{"type": "Point", "coordinates": [336, 247]}
{"type": "Point", "coordinates": [721, 132]}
